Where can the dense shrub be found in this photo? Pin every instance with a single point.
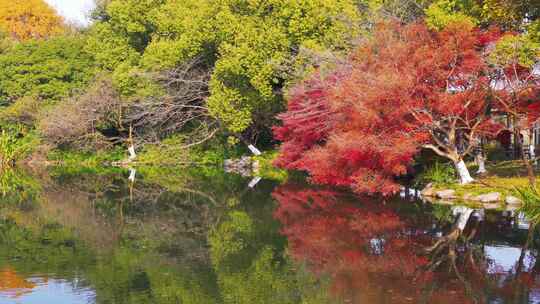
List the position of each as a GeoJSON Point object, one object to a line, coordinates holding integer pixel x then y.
{"type": "Point", "coordinates": [439, 173]}
{"type": "Point", "coordinates": [77, 122]}
{"type": "Point", "coordinates": [245, 41]}
{"type": "Point", "coordinates": [16, 143]}
{"type": "Point", "coordinates": [24, 111]}
{"type": "Point", "coordinates": [179, 106]}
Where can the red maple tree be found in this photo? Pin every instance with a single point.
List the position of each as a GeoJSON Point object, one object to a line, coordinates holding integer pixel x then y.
{"type": "Point", "coordinates": [404, 89]}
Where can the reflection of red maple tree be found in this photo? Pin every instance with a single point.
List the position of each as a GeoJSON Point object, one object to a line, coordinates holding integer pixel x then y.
{"type": "Point", "coordinates": [372, 255]}
{"type": "Point", "coordinates": [323, 217]}
{"type": "Point", "coordinates": [366, 248]}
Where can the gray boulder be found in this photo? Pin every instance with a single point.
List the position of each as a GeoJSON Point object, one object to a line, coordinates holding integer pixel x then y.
{"type": "Point", "coordinates": [446, 194]}
{"type": "Point", "coordinates": [489, 197]}
{"type": "Point", "coordinates": [512, 200]}
{"type": "Point", "coordinates": [428, 190]}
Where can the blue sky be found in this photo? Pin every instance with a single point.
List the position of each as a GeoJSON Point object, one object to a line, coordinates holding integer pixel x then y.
{"type": "Point", "coordinates": [73, 10]}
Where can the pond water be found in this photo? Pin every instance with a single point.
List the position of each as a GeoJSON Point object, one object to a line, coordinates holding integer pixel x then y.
{"type": "Point", "coordinates": [176, 236]}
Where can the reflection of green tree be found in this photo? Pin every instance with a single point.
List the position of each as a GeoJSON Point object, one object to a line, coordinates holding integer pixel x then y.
{"type": "Point", "coordinates": [17, 187]}
{"type": "Point", "coordinates": [248, 267]}
{"type": "Point", "coordinates": [145, 265]}
{"type": "Point", "coordinates": [248, 256]}
{"type": "Point", "coordinates": [129, 276]}
{"type": "Point", "coordinates": [126, 275]}
{"type": "Point", "coordinates": [51, 249]}
{"type": "Point", "coordinates": [166, 243]}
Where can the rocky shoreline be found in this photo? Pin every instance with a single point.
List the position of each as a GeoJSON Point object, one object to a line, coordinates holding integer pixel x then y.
{"type": "Point", "coordinates": [491, 200]}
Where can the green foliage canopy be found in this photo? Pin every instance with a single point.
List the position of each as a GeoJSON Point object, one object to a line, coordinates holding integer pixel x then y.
{"type": "Point", "coordinates": [247, 43]}
{"type": "Point", "coordinates": [508, 15]}
{"type": "Point", "coordinates": [48, 69]}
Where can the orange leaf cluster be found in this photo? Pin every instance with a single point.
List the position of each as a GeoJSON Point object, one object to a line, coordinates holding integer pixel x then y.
{"type": "Point", "coordinates": [29, 19]}
{"type": "Point", "coordinates": [11, 283]}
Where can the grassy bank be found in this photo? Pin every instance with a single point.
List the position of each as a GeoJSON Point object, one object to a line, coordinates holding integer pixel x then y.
{"type": "Point", "coordinates": [503, 177]}
{"type": "Point", "coordinates": [163, 158]}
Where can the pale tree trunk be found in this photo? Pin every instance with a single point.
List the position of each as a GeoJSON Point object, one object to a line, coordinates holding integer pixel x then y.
{"type": "Point", "coordinates": [463, 172]}
{"type": "Point", "coordinates": [131, 149]}
{"type": "Point", "coordinates": [254, 150]}
{"type": "Point", "coordinates": [481, 162]}
{"type": "Point", "coordinates": [480, 157]}
{"type": "Point", "coordinates": [132, 154]}
{"type": "Point", "coordinates": [459, 164]}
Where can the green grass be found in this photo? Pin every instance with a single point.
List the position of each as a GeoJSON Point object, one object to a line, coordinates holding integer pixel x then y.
{"type": "Point", "coordinates": [74, 163]}
{"type": "Point", "coordinates": [439, 173]}
{"type": "Point", "coordinates": [266, 168]}
{"type": "Point", "coordinates": [503, 177]}
{"type": "Point", "coordinates": [531, 203]}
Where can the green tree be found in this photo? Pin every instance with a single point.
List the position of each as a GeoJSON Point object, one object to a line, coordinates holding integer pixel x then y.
{"type": "Point", "coordinates": [443, 12]}
{"type": "Point", "coordinates": [509, 15]}
{"type": "Point", "coordinates": [48, 69]}
{"type": "Point", "coordinates": [247, 42]}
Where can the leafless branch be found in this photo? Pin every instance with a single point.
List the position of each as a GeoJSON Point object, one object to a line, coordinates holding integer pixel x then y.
{"type": "Point", "coordinates": [181, 107]}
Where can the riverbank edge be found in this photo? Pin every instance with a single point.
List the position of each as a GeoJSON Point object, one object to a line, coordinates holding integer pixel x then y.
{"type": "Point", "coordinates": [107, 160]}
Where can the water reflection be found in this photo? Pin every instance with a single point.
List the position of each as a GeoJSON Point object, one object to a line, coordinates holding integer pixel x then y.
{"type": "Point", "coordinates": [377, 253]}
{"type": "Point", "coordinates": [16, 289]}
{"type": "Point", "coordinates": [207, 237]}
{"type": "Point", "coordinates": [14, 286]}
{"type": "Point", "coordinates": [367, 249]}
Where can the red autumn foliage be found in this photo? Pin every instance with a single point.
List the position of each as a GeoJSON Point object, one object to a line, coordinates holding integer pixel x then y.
{"type": "Point", "coordinates": [405, 89]}
{"type": "Point", "coordinates": [308, 120]}
{"type": "Point", "coordinates": [487, 37]}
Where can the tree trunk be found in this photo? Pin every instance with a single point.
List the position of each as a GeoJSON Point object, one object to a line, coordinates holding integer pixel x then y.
{"type": "Point", "coordinates": [459, 164]}
{"type": "Point", "coordinates": [527, 162]}
{"type": "Point", "coordinates": [463, 172]}
{"type": "Point", "coordinates": [131, 149]}
{"type": "Point", "coordinates": [132, 154]}
{"type": "Point", "coordinates": [530, 172]}
{"type": "Point", "coordinates": [481, 162]}
{"type": "Point", "coordinates": [518, 150]}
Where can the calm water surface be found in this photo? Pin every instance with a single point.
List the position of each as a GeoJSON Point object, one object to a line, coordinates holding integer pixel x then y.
{"type": "Point", "coordinates": [174, 236]}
